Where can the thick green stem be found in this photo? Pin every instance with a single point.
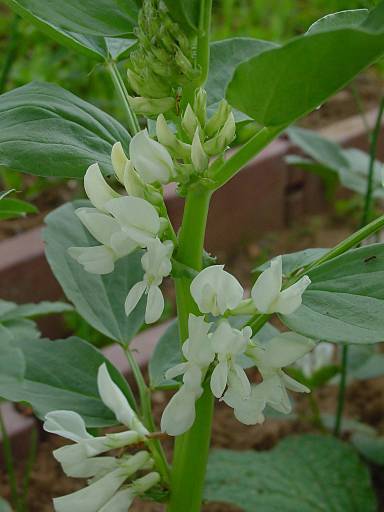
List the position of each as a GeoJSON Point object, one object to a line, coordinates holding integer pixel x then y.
{"type": "Point", "coordinates": [133, 124]}
{"type": "Point", "coordinates": [203, 48]}
{"type": "Point", "coordinates": [154, 445]}
{"type": "Point", "coordinates": [191, 449]}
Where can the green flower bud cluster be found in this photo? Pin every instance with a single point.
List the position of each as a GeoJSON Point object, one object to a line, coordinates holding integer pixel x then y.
{"type": "Point", "coordinates": [162, 61]}
{"type": "Point", "coordinates": [198, 137]}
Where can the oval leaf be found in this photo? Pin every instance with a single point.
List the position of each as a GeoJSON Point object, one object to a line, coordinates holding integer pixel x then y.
{"type": "Point", "coordinates": [48, 131]}
{"type": "Point", "coordinates": [345, 301]}
{"type": "Point", "coordinates": [62, 374]}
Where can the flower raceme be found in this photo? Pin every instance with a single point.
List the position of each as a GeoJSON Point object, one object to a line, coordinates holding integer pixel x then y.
{"type": "Point", "coordinates": [218, 351]}
{"type": "Point", "coordinates": [107, 474]}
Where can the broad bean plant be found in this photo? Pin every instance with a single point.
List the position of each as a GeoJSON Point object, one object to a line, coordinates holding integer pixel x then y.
{"type": "Point", "coordinates": [195, 113]}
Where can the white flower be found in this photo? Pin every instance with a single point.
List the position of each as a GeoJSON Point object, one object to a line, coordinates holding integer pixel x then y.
{"type": "Point", "coordinates": [321, 355]}
{"type": "Point", "coordinates": [125, 172]}
{"type": "Point", "coordinates": [97, 189]}
{"type": "Point", "coordinates": [157, 264]}
{"type": "Point", "coordinates": [138, 219]}
{"type": "Point", "coordinates": [215, 290]}
{"type": "Point", "coordinates": [119, 161]}
{"type": "Point", "coordinates": [179, 415]}
{"type": "Point", "coordinates": [150, 159]}
{"type": "Point", "coordinates": [116, 401]}
{"type": "Point", "coordinates": [100, 259]}
{"type": "Point", "coordinates": [96, 495]}
{"type": "Point", "coordinates": [228, 343]}
{"type": "Point", "coordinates": [267, 295]}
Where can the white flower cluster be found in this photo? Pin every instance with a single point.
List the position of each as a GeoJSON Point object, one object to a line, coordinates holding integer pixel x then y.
{"type": "Point", "coordinates": [123, 224]}
{"type": "Point", "coordinates": [216, 292]}
{"type": "Point", "coordinates": [107, 489]}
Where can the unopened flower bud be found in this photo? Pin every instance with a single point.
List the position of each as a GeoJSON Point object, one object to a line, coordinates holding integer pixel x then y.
{"type": "Point", "coordinates": [200, 105]}
{"type": "Point", "coordinates": [151, 106]}
{"type": "Point", "coordinates": [183, 63]}
{"type": "Point", "coordinates": [167, 138]}
{"type": "Point", "coordinates": [150, 159]}
{"type": "Point", "coordinates": [189, 122]}
{"type": "Point", "coordinates": [153, 195]}
{"type": "Point", "coordinates": [217, 121]}
{"type": "Point", "coordinates": [198, 155]}
{"type": "Point", "coordinates": [222, 140]}
{"type": "Point", "coordinates": [141, 485]}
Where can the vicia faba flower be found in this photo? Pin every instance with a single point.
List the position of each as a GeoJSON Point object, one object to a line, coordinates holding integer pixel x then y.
{"type": "Point", "coordinates": [215, 291]}
{"type": "Point", "coordinates": [282, 350]}
{"type": "Point", "coordinates": [97, 189]}
{"type": "Point", "coordinates": [151, 159]}
{"type": "Point", "coordinates": [267, 295]}
{"type": "Point", "coordinates": [179, 415]}
{"type": "Point", "coordinates": [100, 259]}
{"type": "Point", "coordinates": [229, 343]}
{"type": "Point", "coordinates": [103, 491]}
{"type": "Point", "coordinates": [157, 264]}
{"type": "Point", "coordinates": [126, 173]}
{"type": "Point", "coordinates": [138, 219]}
{"type": "Point", "coordinates": [116, 401]}
{"type": "Point", "coordinates": [199, 157]}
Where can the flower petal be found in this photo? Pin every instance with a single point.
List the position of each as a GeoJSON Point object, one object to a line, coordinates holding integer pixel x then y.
{"type": "Point", "coordinates": [155, 305]}
{"type": "Point", "coordinates": [293, 385]}
{"type": "Point", "coordinates": [267, 288]}
{"type": "Point", "coordinates": [150, 159]}
{"type": "Point", "coordinates": [96, 260]}
{"type": "Point", "coordinates": [291, 298]}
{"type": "Point", "coordinates": [179, 415]}
{"type": "Point", "coordinates": [97, 189]}
{"type": "Point", "coordinates": [219, 379]}
{"type": "Point", "coordinates": [66, 424]}
{"type": "Point", "coordinates": [100, 225]}
{"type": "Point", "coordinates": [91, 467]}
{"type": "Point", "coordinates": [120, 502]}
{"type": "Point", "coordinates": [285, 349]}
{"type": "Point", "coordinates": [116, 401]}
{"type": "Point", "coordinates": [134, 296]}
{"type": "Point", "coordinates": [119, 161]}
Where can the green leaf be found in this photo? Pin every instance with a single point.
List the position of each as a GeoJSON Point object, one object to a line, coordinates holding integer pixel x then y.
{"type": "Point", "coordinates": [47, 131]}
{"type": "Point", "coordinates": [101, 18]}
{"type": "Point", "coordinates": [13, 208]}
{"type": "Point", "coordinates": [62, 374]}
{"type": "Point", "coordinates": [98, 299]}
{"type": "Point", "coordinates": [282, 84]}
{"type": "Point", "coordinates": [21, 328]}
{"type": "Point", "coordinates": [345, 300]}
{"type": "Point", "coordinates": [349, 18]}
{"type": "Point", "coordinates": [167, 353]}
{"type": "Point", "coordinates": [306, 473]}
{"type": "Point", "coordinates": [11, 311]}
{"type": "Point", "coordinates": [351, 165]}
{"type": "Point", "coordinates": [370, 446]}
{"type": "Point", "coordinates": [319, 148]}
{"type": "Point", "coordinates": [295, 260]}
{"type": "Point", "coordinates": [12, 363]}
{"type": "Point", "coordinates": [370, 368]}
{"type": "Point", "coordinates": [96, 47]}
{"type": "Point", "coordinates": [225, 56]}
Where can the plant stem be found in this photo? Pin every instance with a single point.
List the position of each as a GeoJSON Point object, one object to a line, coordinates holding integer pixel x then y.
{"type": "Point", "coordinates": [191, 449]}
{"type": "Point", "coordinates": [146, 412]}
{"type": "Point", "coordinates": [9, 465]}
{"type": "Point", "coordinates": [368, 205]}
{"type": "Point", "coordinates": [31, 458]}
{"type": "Point", "coordinates": [133, 124]}
{"type": "Point", "coordinates": [367, 214]}
{"type": "Point", "coordinates": [342, 389]}
{"type": "Point", "coordinates": [11, 51]}
{"type": "Point", "coordinates": [251, 148]}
